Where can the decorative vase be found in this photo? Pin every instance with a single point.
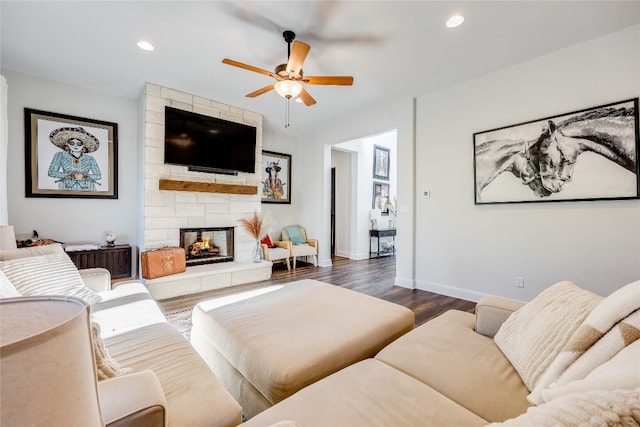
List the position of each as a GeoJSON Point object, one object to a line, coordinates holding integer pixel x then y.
{"type": "Point", "coordinates": [257, 253]}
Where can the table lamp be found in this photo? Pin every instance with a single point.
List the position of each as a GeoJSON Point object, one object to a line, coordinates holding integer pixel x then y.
{"type": "Point", "coordinates": [47, 368]}
{"type": "Point", "coordinates": [7, 238]}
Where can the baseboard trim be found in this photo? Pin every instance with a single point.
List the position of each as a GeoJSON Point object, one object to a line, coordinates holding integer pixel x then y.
{"type": "Point", "coordinates": [451, 291]}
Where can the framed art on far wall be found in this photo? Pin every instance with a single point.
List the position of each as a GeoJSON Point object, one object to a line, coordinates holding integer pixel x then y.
{"type": "Point", "coordinates": [69, 156]}
{"type": "Point", "coordinates": [276, 177]}
{"type": "Point", "coordinates": [380, 162]}
{"type": "Point", "coordinates": [381, 197]}
{"type": "Point", "coordinates": [589, 154]}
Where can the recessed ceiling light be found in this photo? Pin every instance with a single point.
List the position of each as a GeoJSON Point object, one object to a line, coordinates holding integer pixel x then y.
{"type": "Point", "coordinates": [144, 45]}
{"type": "Point", "coordinates": [455, 21]}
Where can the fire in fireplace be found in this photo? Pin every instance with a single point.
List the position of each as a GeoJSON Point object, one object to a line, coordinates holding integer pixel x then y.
{"type": "Point", "coordinates": [207, 245]}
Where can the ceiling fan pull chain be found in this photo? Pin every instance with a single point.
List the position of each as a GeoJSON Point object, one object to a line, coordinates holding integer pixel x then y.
{"type": "Point", "coordinates": [286, 115]}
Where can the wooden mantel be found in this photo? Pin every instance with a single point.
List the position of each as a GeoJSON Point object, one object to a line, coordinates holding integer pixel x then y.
{"type": "Point", "coordinates": [207, 187]}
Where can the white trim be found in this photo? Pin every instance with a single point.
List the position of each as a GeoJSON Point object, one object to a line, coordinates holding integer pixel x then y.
{"type": "Point", "coordinates": [451, 291]}
{"type": "Point", "coordinates": [4, 146]}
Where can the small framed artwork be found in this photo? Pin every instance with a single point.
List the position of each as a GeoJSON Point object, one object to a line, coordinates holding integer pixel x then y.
{"type": "Point", "coordinates": [276, 177]}
{"type": "Point", "coordinates": [589, 154]}
{"type": "Point", "coordinates": [69, 156]}
{"type": "Point", "coordinates": [380, 162]}
{"type": "Point", "coordinates": [381, 197]}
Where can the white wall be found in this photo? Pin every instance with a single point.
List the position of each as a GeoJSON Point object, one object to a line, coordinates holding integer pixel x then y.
{"type": "Point", "coordinates": [469, 250]}
{"type": "Point", "coordinates": [67, 219]}
{"type": "Point", "coordinates": [281, 215]}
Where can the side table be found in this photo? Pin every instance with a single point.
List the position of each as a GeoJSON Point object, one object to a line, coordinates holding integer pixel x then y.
{"type": "Point", "coordinates": [116, 259]}
{"type": "Point", "coordinates": [391, 232]}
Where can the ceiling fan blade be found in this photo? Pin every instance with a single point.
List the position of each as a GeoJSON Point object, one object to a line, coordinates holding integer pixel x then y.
{"type": "Point", "coordinates": [297, 57]}
{"type": "Point", "coordinates": [329, 80]}
{"type": "Point", "coordinates": [306, 98]}
{"type": "Point", "coordinates": [261, 91]}
{"type": "Point", "coordinates": [250, 68]}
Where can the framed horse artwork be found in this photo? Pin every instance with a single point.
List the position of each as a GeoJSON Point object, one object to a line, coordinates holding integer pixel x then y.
{"type": "Point", "coordinates": [590, 154]}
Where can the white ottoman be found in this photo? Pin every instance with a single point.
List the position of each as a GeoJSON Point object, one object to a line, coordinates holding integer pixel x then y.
{"type": "Point", "coordinates": [266, 344]}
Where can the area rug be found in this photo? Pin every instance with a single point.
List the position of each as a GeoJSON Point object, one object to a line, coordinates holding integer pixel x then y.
{"type": "Point", "coordinates": [181, 320]}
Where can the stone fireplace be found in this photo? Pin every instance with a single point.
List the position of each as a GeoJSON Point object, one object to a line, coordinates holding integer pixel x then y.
{"type": "Point", "coordinates": [176, 199]}
{"type": "Point", "coordinates": [207, 245]}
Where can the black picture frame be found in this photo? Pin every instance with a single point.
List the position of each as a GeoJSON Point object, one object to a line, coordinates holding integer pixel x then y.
{"type": "Point", "coordinates": [51, 168]}
{"type": "Point", "coordinates": [381, 197]}
{"type": "Point", "coordinates": [276, 188]}
{"type": "Point", "coordinates": [589, 154]}
{"type": "Point", "coordinates": [381, 162]}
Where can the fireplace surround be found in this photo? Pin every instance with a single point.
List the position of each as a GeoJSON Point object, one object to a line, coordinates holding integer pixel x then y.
{"type": "Point", "coordinates": [207, 245]}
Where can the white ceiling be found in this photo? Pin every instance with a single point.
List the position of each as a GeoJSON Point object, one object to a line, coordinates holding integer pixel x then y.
{"type": "Point", "coordinates": [393, 49]}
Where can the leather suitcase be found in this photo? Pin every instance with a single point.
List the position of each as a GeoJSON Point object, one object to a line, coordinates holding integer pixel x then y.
{"type": "Point", "coordinates": [163, 262]}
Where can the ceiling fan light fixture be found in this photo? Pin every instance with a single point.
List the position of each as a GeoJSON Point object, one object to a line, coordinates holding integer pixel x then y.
{"type": "Point", "coordinates": [288, 88]}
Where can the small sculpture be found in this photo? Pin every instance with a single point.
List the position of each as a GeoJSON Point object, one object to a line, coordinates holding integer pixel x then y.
{"type": "Point", "coordinates": [110, 237]}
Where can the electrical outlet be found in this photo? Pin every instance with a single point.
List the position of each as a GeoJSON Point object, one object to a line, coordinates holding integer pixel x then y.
{"type": "Point", "coordinates": [426, 193]}
{"type": "Point", "coordinates": [519, 282]}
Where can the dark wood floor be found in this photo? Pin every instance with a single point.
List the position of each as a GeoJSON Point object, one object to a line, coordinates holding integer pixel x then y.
{"type": "Point", "coordinates": [371, 276]}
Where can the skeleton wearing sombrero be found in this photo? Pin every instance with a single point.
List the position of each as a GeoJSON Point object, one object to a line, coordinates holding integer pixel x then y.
{"type": "Point", "coordinates": [273, 186]}
{"type": "Point", "coordinates": [73, 168]}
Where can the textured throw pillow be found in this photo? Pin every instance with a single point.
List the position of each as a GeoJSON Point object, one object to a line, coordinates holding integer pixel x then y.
{"type": "Point", "coordinates": [295, 235]}
{"type": "Point", "coordinates": [7, 290]}
{"type": "Point", "coordinates": [532, 337]}
{"type": "Point", "coordinates": [266, 240]}
{"type": "Point", "coordinates": [588, 409]}
{"type": "Point", "coordinates": [106, 366]}
{"type": "Point", "coordinates": [53, 274]}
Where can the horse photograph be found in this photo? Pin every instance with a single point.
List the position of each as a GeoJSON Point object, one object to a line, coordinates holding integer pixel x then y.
{"type": "Point", "coordinates": [590, 154]}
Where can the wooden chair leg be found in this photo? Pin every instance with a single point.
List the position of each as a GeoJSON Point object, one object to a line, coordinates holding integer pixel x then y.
{"type": "Point", "coordinates": [294, 262]}
{"type": "Point", "coordinates": [315, 260]}
{"type": "Point", "coordinates": [288, 264]}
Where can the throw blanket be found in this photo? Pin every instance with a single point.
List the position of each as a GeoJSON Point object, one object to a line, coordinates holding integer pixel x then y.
{"type": "Point", "coordinates": [595, 408]}
{"type": "Point", "coordinates": [610, 327]}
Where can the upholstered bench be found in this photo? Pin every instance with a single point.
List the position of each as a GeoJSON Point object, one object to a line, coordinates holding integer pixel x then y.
{"type": "Point", "coordinates": [266, 344]}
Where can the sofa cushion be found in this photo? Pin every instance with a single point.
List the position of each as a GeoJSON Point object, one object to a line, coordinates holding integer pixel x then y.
{"type": "Point", "coordinates": [468, 368]}
{"type": "Point", "coordinates": [593, 408]}
{"type": "Point", "coordinates": [195, 397]}
{"type": "Point", "coordinates": [532, 337]}
{"type": "Point", "coordinates": [368, 393]}
{"type": "Point", "coordinates": [53, 274]}
{"type": "Point", "coordinates": [127, 307]}
{"type": "Point", "coordinates": [7, 290]}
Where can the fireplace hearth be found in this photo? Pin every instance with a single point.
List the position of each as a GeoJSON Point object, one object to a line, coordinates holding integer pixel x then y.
{"type": "Point", "coordinates": [207, 245]}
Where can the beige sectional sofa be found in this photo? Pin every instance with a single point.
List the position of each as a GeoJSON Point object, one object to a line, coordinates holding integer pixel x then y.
{"type": "Point", "coordinates": [464, 370]}
{"type": "Point", "coordinates": [171, 385]}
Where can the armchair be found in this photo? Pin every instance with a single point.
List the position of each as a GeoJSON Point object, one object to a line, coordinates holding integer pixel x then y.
{"type": "Point", "coordinates": [301, 245]}
{"type": "Point", "coordinates": [281, 250]}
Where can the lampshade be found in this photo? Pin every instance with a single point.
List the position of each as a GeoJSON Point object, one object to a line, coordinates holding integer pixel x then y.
{"type": "Point", "coordinates": [288, 88]}
{"type": "Point", "coordinates": [7, 238]}
{"type": "Point", "coordinates": [47, 365]}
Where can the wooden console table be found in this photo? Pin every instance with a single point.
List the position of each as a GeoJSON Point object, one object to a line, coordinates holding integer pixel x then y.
{"type": "Point", "coordinates": [116, 259]}
{"type": "Point", "coordinates": [378, 234]}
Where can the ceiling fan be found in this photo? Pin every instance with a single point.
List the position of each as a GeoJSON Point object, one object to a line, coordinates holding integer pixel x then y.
{"type": "Point", "coordinates": [289, 77]}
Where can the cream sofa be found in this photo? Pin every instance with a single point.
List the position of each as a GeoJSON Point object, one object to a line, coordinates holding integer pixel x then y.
{"type": "Point", "coordinates": [170, 384]}
{"type": "Point", "coordinates": [461, 369]}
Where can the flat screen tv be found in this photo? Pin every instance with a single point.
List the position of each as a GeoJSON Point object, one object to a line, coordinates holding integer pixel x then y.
{"type": "Point", "coordinates": [208, 144]}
